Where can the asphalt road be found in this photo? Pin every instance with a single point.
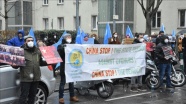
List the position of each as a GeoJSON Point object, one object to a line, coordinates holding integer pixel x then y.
{"type": "Point", "coordinates": [121, 97]}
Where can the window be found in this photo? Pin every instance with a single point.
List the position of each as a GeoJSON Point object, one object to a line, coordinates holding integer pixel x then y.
{"type": "Point", "coordinates": [94, 22]}
{"type": "Point", "coordinates": [0, 24]}
{"type": "Point", "coordinates": [46, 24]}
{"type": "Point", "coordinates": [61, 23]}
{"type": "Point", "coordinates": [75, 22]}
{"type": "Point", "coordinates": [60, 1]}
{"type": "Point", "coordinates": [45, 2]}
{"type": "Point", "coordinates": [156, 20]}
{"type": "Point", "coordinates": [182, 18]}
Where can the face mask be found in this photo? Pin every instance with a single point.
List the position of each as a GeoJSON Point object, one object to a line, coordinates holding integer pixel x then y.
{"type": "Point", "coordinates": [69, 40]}
{"type": "Point", "coordinates": [54, 36]}
{"type": "Point", "coordinates": [166, 40]}
{"type": "Point", "coordinates": [30, 44]}
{"type": "Point", "coordinates": [93, 37]}
{"type": "Point", "coordinates": [141, 40]}
{"type": "Point", "coordinates": [115, 36]}
{"type": "Point", "coordinates": [20, 38]}
{"type": "Point", "coordinates": [45, 39]}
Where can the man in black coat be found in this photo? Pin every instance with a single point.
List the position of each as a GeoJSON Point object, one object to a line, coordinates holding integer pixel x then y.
{"type": "Point", "coordinates": [67, 39]}
{"type": "Point", "coordinates": [158, 39]}
{"type": "Point", "coordinates": [184, 51]}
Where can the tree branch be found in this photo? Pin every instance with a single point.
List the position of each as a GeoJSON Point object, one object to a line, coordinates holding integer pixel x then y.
{"type": "Point", "coordinates": [143, 8]}
{"type": "Point", "coordinates": [11, 7]}
{"type": "Point", "coordinates": [2, 15]}
{"type": "Point", "coordinates": [156, 8]}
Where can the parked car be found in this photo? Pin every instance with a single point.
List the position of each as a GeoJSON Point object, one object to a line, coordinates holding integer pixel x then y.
{"type": "Point", "coordinates": [10, 89]}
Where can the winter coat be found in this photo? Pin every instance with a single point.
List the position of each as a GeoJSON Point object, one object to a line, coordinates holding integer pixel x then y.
{"type": "Point", "coordinates": [136, 41]}
{"type": "Point", "coordinates": [159, 52]}
{"type": "Point", "coordinates": [16, 41]}
{"type": "Point", "coordinates": [61, 51]}
{"type": "Point", "coordinates": [180, 45]}
{"type": "Point", "coordinates": [184, 43]}
{"type": "Point", "coordinates": [115, 41]}
{"type": "Point", "coordinates": [33, 60]}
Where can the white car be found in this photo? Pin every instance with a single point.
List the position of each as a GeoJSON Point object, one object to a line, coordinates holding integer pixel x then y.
{"type": "Point", "coordinates": [10, 89]}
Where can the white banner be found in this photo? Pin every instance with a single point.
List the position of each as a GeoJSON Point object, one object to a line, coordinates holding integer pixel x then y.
{"type": "Point", "coordinates": [97, 62]}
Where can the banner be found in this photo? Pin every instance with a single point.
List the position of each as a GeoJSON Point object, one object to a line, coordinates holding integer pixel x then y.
{"type": "Point", "coordinates": [98, 62]}
{"type": "Point", "coordinates": [89, 41]}
{"type": "Point", "coordinates": [50, 54]}
{"type": "Point", "coordinates": [12, 55]}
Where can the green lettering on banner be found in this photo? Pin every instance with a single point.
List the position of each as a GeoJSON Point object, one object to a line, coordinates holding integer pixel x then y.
{"type": "Point", "coordinates": [120, 72]}
{"type": "Point", "coordinates": [125, 60]}
{"type": "Point", "coordinates": [106, 61]}
{"type": "Point", "coordinates": [133, 71]}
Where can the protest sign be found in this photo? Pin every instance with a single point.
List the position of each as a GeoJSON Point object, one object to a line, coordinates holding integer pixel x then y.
{"type": "Point", "coordinates": [128, 41]}
{"type": "Point", "coordinates": [98, 62]}
{"type": "Point", "coordinates": [89, 41]}
{"type": "Point", "coordinates": [12, 55]}
{"type": "Point", "coordinates": [50, 54]}
{"type": "Point", "coordinates": [167, 50]}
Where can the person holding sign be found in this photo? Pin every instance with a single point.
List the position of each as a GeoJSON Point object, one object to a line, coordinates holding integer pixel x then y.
{"type": "Point", "coordinates": [114, 39]}
{"type": "Point", "coordinates": [135, 86]}
{"type": "Point", "coordinates": [164, 54]}
{"type": "Point", "coordinates": [67, 39]}
{"type": "Point", "coordinates": [30, 74]}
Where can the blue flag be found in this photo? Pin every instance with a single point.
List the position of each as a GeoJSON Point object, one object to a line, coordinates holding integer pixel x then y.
{"type": "Point", "coordinates": [162, 28]}
{"type": "Point", "coordinates": [58, 43]}
{"type": "Point", "coordinates": [129, 32]}
{"type": "Point", "coordinates": [78, 36]}
{"type": "Point", "coordinates": [173, 33]}
{"type": "Point", "coordinates": [107, 34]}
{"type": "Point", "coordinates": [31, 33]}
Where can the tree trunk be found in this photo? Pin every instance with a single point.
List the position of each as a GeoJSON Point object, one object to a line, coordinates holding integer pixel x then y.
{"type": "Point", "coordinates": [6, 14]}
{"type": "Point", "coordinates": [148, 24]}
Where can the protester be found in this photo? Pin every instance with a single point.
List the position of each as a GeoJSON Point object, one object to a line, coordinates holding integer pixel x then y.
{"type": "Point", "coordinates": [163, 51]}
{"type": "Point", "coordinates": [67, 39]}
{"type": "Point", "coordinates": [180, 45]}
{"type": "Point", "coordinates": [95, 36]}
{"type": "Point", "coordinates": [17, 40]}
{"type": "Point", "coordinates": [137, 86]}
{"type": "Point", "coordinates": [114, 39]}
{"type": "Point", "coordinates": [30, 75]}
{"type": "Point", "coordinates": [184, 50]}
{"type": "Point", "coordinates": [149, 44]}
{"type": "Point", "coordinates": [158, 39]}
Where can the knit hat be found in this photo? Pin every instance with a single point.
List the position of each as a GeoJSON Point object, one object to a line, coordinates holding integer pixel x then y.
{"type": "Point", "coordinates": [66, 35]}
{"type": "Point", "coordinates": [28, 36]}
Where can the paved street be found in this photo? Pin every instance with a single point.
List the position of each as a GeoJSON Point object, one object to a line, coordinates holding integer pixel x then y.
{"type": "Point", "coordinates": [121, 97]}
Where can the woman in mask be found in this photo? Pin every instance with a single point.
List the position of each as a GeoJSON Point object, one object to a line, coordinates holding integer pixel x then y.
{"type": "Point", "coordinates": [95, 37]}
{"type": "Point", "coordinates": [67, 39]}
{"type": "Point", "coordinates": [114, 39]}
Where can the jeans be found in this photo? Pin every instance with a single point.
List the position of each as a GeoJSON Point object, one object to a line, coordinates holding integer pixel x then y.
{"type": "Point", "coordinates": [165, 69]}
{"type": "Point", "coordinates": [139, 81]}
{"type": "Point", "coordinates": [28, 92]}
{"type": "Point", "coordinates": [62, 85]}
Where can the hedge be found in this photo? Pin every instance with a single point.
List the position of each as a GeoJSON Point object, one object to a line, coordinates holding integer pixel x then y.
{"type": "Point", "coordinates": [6, 35]}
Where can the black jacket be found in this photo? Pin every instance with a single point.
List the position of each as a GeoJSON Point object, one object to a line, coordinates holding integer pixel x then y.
{"type": "Point", "coordinates": [184, 42]}
{"type": "Point", "coordinates": [159, 52]}
{"type": "Point", "coordinates": [136, 41]}
{"type": "Point", "coordinates": [61, 51]}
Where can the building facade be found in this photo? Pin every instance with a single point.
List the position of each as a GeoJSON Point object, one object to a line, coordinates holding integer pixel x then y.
{"type": "Point", "coordinates": [93, 15]}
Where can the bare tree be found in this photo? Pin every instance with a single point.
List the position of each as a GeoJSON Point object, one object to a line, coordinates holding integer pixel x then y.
{"type": "Point", "coordinates": [6, 10]}
{"type": "Point", "coordinates": [150, 10]}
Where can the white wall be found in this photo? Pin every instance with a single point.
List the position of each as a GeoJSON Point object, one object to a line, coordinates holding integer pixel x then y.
{"type": "Point", "coordinates": [169, 16]}
{"type": "Point", "coordinates": [66, 10]}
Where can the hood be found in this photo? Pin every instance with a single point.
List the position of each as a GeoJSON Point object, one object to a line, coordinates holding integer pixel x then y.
{"type": "Point", "coordinates": [21, 31]}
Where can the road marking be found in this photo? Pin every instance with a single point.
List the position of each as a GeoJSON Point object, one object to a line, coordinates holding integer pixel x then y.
{"type": "Point", "coordinates": [128, 96]}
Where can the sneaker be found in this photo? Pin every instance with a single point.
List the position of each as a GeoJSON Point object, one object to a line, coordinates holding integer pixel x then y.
{"type": "Point", "coordinates": [133, 89]}
{"type": "Point", "coordinates": [141, 88]}
{"type": "Point", "coordinates": [75, 99]}
{"type": "Point", "coordinates": [61, 101]}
